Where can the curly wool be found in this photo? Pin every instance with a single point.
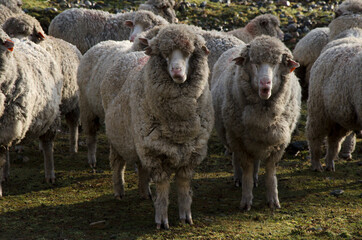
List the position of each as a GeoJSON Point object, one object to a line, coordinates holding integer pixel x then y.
{"type": "Point", "coordinates": [164, 8]}
{"type": "Point", "coordinates": [343, 23]}
{"type": "Point", "coordinates": [349, 7]}
{"type": "Point", "coordinates": [147, 19]}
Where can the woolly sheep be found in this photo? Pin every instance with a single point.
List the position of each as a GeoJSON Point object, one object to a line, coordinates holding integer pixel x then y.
{"type": "Point", "coordinates": [66, 55]}
{"type": "Point", "coordinates": [13, 5]}
{"type": "Point", "coordinates": [164, 8]}
{"type": "Point", "coordinates": [29, 99]}
{"type": "Point", "coordinates": [91, 71]}
{"type": "Point", "coordinates": [162, 116]}
{"type": "Point", "coordinates": [74, 26]}
{"type": "Point", "coordinates": [265, 24]}
{"type": "Point", "coordinates": [257, 103]}
{"type": "Point", "coordinates": [349, 7]}
{"type": "Point", "coordinates": [343, 23]}
{"type": "Point", "coordinates": [335, 102]}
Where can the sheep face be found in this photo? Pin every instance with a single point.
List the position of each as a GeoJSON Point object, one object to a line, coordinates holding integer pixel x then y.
{"type": "Point", "coordinates": [265, 78]}
{"type": "Point", "coordinates": [136, 29]}
{"type": "Point", "coordinates": [178, 66]}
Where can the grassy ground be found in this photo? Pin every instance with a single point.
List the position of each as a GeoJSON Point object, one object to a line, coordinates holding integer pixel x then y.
{"type": "Point", "coordinates": [32, 209]}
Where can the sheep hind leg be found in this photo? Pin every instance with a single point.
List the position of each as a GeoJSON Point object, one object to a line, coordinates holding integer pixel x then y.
{"type": "Point", "coordinates": [6, 172]}
{"type": "Point", "coordinates": [334, 145]}
{"type": "Point", "coordinates": [184, 192]}
{"type": "Point", "coordinates": [144, 182]}
{"type": "Point", "coordinates": [315, 148]}
{"type": "Point", "coordinates": [237, 170]}
{"type": "Point", "coordinates": [92, 149]}
{"type": "Point", "coordinates": [256, 172]}
{"type": "Point", "coordinates": [348, 146]}
{"type": "Point", "coordinates": [118, 166]}
{"type": "Point", "coordinates": [161, 203]}
{"type": "Point", "coordinates": [247, 184]}
{"type": "Point", "coordinates": [72, 119]}
{"type": "Point", "coordinates": [46, 142]}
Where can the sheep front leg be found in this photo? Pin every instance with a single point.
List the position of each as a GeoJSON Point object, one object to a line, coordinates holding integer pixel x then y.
{"type": "Point", "coordinates": [271, 180]}
{"type": "Point", "coordinates": [118, 166]}
{"type": "Point", "coordinates": [144, 182]}
{"type": "Point", "coordinates": [47, 146]}
{"type": "Point", "coordinates": [256, 172]}
{"type": "Point", "coordinates": [6, 174]}
{"type": "Point", "coordinates": [237, 170]}
{"type": "Point", "coordinates": [348, 146]}
{"type": "Point", "coordinates": [72, 120]}
{"type": "Point", "coordinates": [315, 148]}
{"type": "Point", "coordinates": [247, 165]}
{"type": "Point", "coordinates": [161, 203]}
{"type": "Point", "coordinates": [92, 149]}
{"type": "Point", "coordinates": [3, 153]}
{"type": "Point", "coordinates": [184, 191]}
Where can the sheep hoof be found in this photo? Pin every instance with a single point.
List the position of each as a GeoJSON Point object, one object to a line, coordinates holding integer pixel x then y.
{"type": "Point", "coordinates": [245, 207]}
{"type": "Point", "coordinates": [50, 180]}
{"type": "Point", "coordinates": [118, 197]}
{"type": "Point", "coordinates": [183, 221]}
{"type": "Point", "coordinates": [158, 226]}
{"type": "Point", "coordinates": [166, 226]}
{"type": "Point", "coordinates": [255, 184]}
{"type": "Point", "coordinates": [237, 183]}
{"type": "Point", "coordinates": [274, 205]}
{"type": "Point", "coordinates": [330, 169]}
{"type": "Point", "coordinates": [189, 221]}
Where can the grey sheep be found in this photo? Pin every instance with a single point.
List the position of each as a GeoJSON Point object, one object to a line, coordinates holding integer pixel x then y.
{"type": "Point", "coordinates": [66, 55]}
{"type": "Point", "coordinates": [74, 26]}
{"type": "Point", "coordinates": [335, 100]}
{"type": "Point", "coordinates": [9, 8]}
{"type": "Point", "coordinates": [29, 99]}
{"type": "Point", "coordinates": [266, 24]}
{"type": "Point", "coordinates": [162, 116]}
{"type": "Point", "coordinates": [164, 8]}
{"type": "Point", "coordinates": [257, 100]}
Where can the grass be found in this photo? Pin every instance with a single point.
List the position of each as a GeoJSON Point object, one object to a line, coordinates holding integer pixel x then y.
{"type": "Point", "coordinates": [33, 209]}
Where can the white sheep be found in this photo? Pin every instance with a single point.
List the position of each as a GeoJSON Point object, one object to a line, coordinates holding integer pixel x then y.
{"type": "Point", "coordinates": [266, 24]}
{"type": "Point", "coordinates": [92, 68]}
{"type": "Point", "coordinates": [162, 116]}
{"type": "Point", "coordinates": [66, 55]}
{"type": "Point", "coordinates": [335, 100]}
{"type": "Point", "coordinates": [164, 8]}
{"type": "Point", "coordinates": [9, 8]}
{"type": "Point", "coordinates": [257, 102]}
{"type": "Point", "coordinates": [29, 98]}
{"type": "Point", "coordinates": [85, 28]}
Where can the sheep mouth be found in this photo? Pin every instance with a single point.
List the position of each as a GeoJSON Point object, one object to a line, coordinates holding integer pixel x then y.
{"type": "Point", "coordinates": [179, 78]}
{"type": "Point", "coordinates": [264, 93]}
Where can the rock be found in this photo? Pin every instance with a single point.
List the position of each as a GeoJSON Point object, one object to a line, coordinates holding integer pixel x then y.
{"type": "Point", "coordinates": [88, 4]}
{"type": "Point", "coordinates": [337, 192]}
{"type": "Point", "coordinates": [287, 37]}
{"type": "Point", "coordinates": [292, 27]}
{"type": "Point", "coordinates": [98, 225]}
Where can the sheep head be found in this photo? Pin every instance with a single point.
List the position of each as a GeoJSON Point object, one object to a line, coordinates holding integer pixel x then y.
{"type": "Point", "coordinates": [177, 45]}
{"type": "Point", "coordinates": [266, 59]}
{"type": "Point", "coordinates": [24, 26]}
{"type": "Point", "coordinates": [349, 7]}
{"type": "Point", "coordinates": [266, 24]}
{"type": "Point", "coordinates": [143, 21]}
{"type": "Point", "coordinates": [5, 43]}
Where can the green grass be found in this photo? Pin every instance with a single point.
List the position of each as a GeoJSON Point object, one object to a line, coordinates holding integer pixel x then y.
{"type": "Point", "coordinates": [32, 209]}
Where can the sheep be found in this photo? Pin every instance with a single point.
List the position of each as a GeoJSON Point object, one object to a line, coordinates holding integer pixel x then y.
{"type": "Point", "coordinates": [344, 22]}
{"type": "Point", "coordinates": [13, 5]}
{"type": "Point", "coordinates": [266, 24]}
{"type": "Point", "coordinates": [257, 104]}
{"type": "Point", "coordinates": [74, 26]}
{"type": "Point", "coordinates": [164, 8]}
{"type": "Point", "coordinates": [306, 52]}
{"type": "Point", "coordinates": [29, 98]}
{"type": "Point", "coordinates": [335, 103]}
{"type": "Point", "coordinates": [92, 68]}
{"type": "Point", "coordinates": [162, 116]}
{"type": "Point", "coordinates": [66, 55]}
{"type": "Point", "coordinates": [349, 7]}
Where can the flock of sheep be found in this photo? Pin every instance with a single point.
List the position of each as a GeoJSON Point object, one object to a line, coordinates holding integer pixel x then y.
{"type": "Point", "coordinates": [161, 94]}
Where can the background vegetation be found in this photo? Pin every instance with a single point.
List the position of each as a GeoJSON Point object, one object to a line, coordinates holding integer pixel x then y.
{"type": "Point", "coordinates": [311, 209]}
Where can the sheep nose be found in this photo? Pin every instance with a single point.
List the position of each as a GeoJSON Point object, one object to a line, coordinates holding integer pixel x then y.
{"type": "Point", "coordinates": [176, 70]}
{"type": "Point", "coordinates": [131, 38]}
{"type": "Point", "coordinates": [265, 82]}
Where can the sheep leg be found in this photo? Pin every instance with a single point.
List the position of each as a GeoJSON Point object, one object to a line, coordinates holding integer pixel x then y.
{"type": "Point", "coordinates": [72, 119]}
{"type": "Point", "coordinates": [3, 153]}
{"type": "Point", "coordinates": [348, 146]}
{"type": "Point", "coordinates": [334, 145]}
{"type": "Point", "coordinates": [143, 182]}
{"type": "Point", "coordinates": [247, 184]}
{"type": "Point", "coordinates": [271, 180]}
{"type": "Point", "coordinates": [46, 141]}
{"type": "Point", "coordinates": [161, 203]}
{"type": "Point", "coordinates": [237, 170]}
{"type": "Point", "coordinates": [184, 192]}
{"type": "Point", "coordinates": [256, 172]}
{"type": "Point", "coordinates": [92, 149]}
{"type": "Point", "coordinates": [118, 166]}
{"type": "Point", "coordinates": [6, 173]}
{"type": "Point", "coordinates": [315, 148]}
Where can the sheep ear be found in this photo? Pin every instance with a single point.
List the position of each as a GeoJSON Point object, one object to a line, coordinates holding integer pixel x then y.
{"type": "Point", "coordinates": [40, 36]}
{"type": "Point", "coordinates": [292, 64]}
{"type": "Point", "coordinates": [128, 23]}
{"type": "Point", "coordinates": [148, 51]}
{"type": "Point", "coordinates": [239, 61]}
{"type": "Point", "coordinates": [9, 45]}
{"type": "Point", "coordinates": [204, 48]}
{"type": "Point", "coordinates": [144, 41]}
{"type": "Point", "coordinates": [337, 13]}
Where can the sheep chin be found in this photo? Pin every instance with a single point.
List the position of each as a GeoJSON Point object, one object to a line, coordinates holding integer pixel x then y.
{"type": "Point", "coordinates": [265, 93]}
